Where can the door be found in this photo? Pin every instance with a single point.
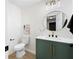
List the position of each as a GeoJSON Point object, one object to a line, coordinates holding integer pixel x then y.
{"type": "Point", "coordinates": [43, 49]}
{"type": "Point", "coordinates": [62, 51]}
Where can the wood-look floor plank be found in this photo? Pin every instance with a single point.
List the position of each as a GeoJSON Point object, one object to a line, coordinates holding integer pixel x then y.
{"type": "Point", "coordinates": [26, 56]}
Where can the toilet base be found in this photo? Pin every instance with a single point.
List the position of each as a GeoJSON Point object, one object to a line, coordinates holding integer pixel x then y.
{"type": "Point", "coordinates": [20, 54]}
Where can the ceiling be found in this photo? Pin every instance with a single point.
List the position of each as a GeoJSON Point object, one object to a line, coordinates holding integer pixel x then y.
{"type": "Point", "coordinates": [24, 3]}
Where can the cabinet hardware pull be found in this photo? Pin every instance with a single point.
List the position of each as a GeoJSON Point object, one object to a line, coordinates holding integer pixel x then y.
{"type": "Point", "coordinates": [50, 49]}
{"type": "Point", "coordinates": [53, 50]}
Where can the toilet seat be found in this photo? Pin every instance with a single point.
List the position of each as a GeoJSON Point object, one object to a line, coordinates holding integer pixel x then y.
{"type": "Point", "coordinates": [19, 46]}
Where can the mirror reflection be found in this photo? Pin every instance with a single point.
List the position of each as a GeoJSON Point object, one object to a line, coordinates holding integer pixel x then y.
{"type": "Point", "coordinates": [56, 20]}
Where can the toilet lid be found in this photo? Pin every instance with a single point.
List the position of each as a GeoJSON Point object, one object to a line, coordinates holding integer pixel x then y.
{"type": "Point", "coordinates": [19, 46]}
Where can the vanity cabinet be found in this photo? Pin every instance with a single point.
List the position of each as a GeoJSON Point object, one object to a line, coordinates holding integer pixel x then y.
{"type": "Point", "coordinates": [53, 50]}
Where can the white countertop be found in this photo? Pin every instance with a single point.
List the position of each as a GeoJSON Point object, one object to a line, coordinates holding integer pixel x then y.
{"type": "Point", "coordinates": [58, 39]}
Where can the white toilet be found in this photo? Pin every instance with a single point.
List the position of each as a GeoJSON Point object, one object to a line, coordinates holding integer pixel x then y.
{"type": "Point", "coordinates": [20, 47]}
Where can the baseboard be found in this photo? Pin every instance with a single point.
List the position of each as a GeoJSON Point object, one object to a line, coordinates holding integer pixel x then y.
{"type": "Point", "coordinates": [33, 52]}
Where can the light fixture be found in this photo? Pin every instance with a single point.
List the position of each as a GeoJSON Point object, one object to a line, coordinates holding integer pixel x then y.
{"type": "Point", "coordinates": [50, 2]}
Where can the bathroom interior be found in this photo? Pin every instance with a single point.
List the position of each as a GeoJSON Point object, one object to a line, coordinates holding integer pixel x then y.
{"type": "Point", "coordinates": [39, 29]}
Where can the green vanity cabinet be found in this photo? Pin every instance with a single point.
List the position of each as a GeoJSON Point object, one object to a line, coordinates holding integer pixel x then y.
{"type": "Point", "coordinates": [42, 49]}
{"type": "Point", "coordinates": [53, 50]}
{"type": "Point", "coordinates": [62, 50]}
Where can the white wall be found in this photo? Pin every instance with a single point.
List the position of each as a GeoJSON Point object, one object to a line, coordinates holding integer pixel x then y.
{"type": "Point", "coordinates": [35, 16]}
{"type": "Point", "coordinates": [13, 25]}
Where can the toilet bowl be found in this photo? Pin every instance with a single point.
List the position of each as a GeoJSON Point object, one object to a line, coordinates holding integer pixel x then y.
{"type": "Point", "coordinates": [20, 47]}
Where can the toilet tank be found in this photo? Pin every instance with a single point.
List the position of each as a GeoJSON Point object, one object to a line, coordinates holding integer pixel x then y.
{"type": "Point", "coordinates": [25, 39]}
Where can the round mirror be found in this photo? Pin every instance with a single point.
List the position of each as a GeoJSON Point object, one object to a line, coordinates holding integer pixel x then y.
{"type": "Point", "coordinates": [56, 20]}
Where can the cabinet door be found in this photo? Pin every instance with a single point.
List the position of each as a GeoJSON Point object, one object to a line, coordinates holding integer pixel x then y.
{"type": "Point", "coordinates": [42, 49]}
{"type": "Point", "coordinates": [62, 51]}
